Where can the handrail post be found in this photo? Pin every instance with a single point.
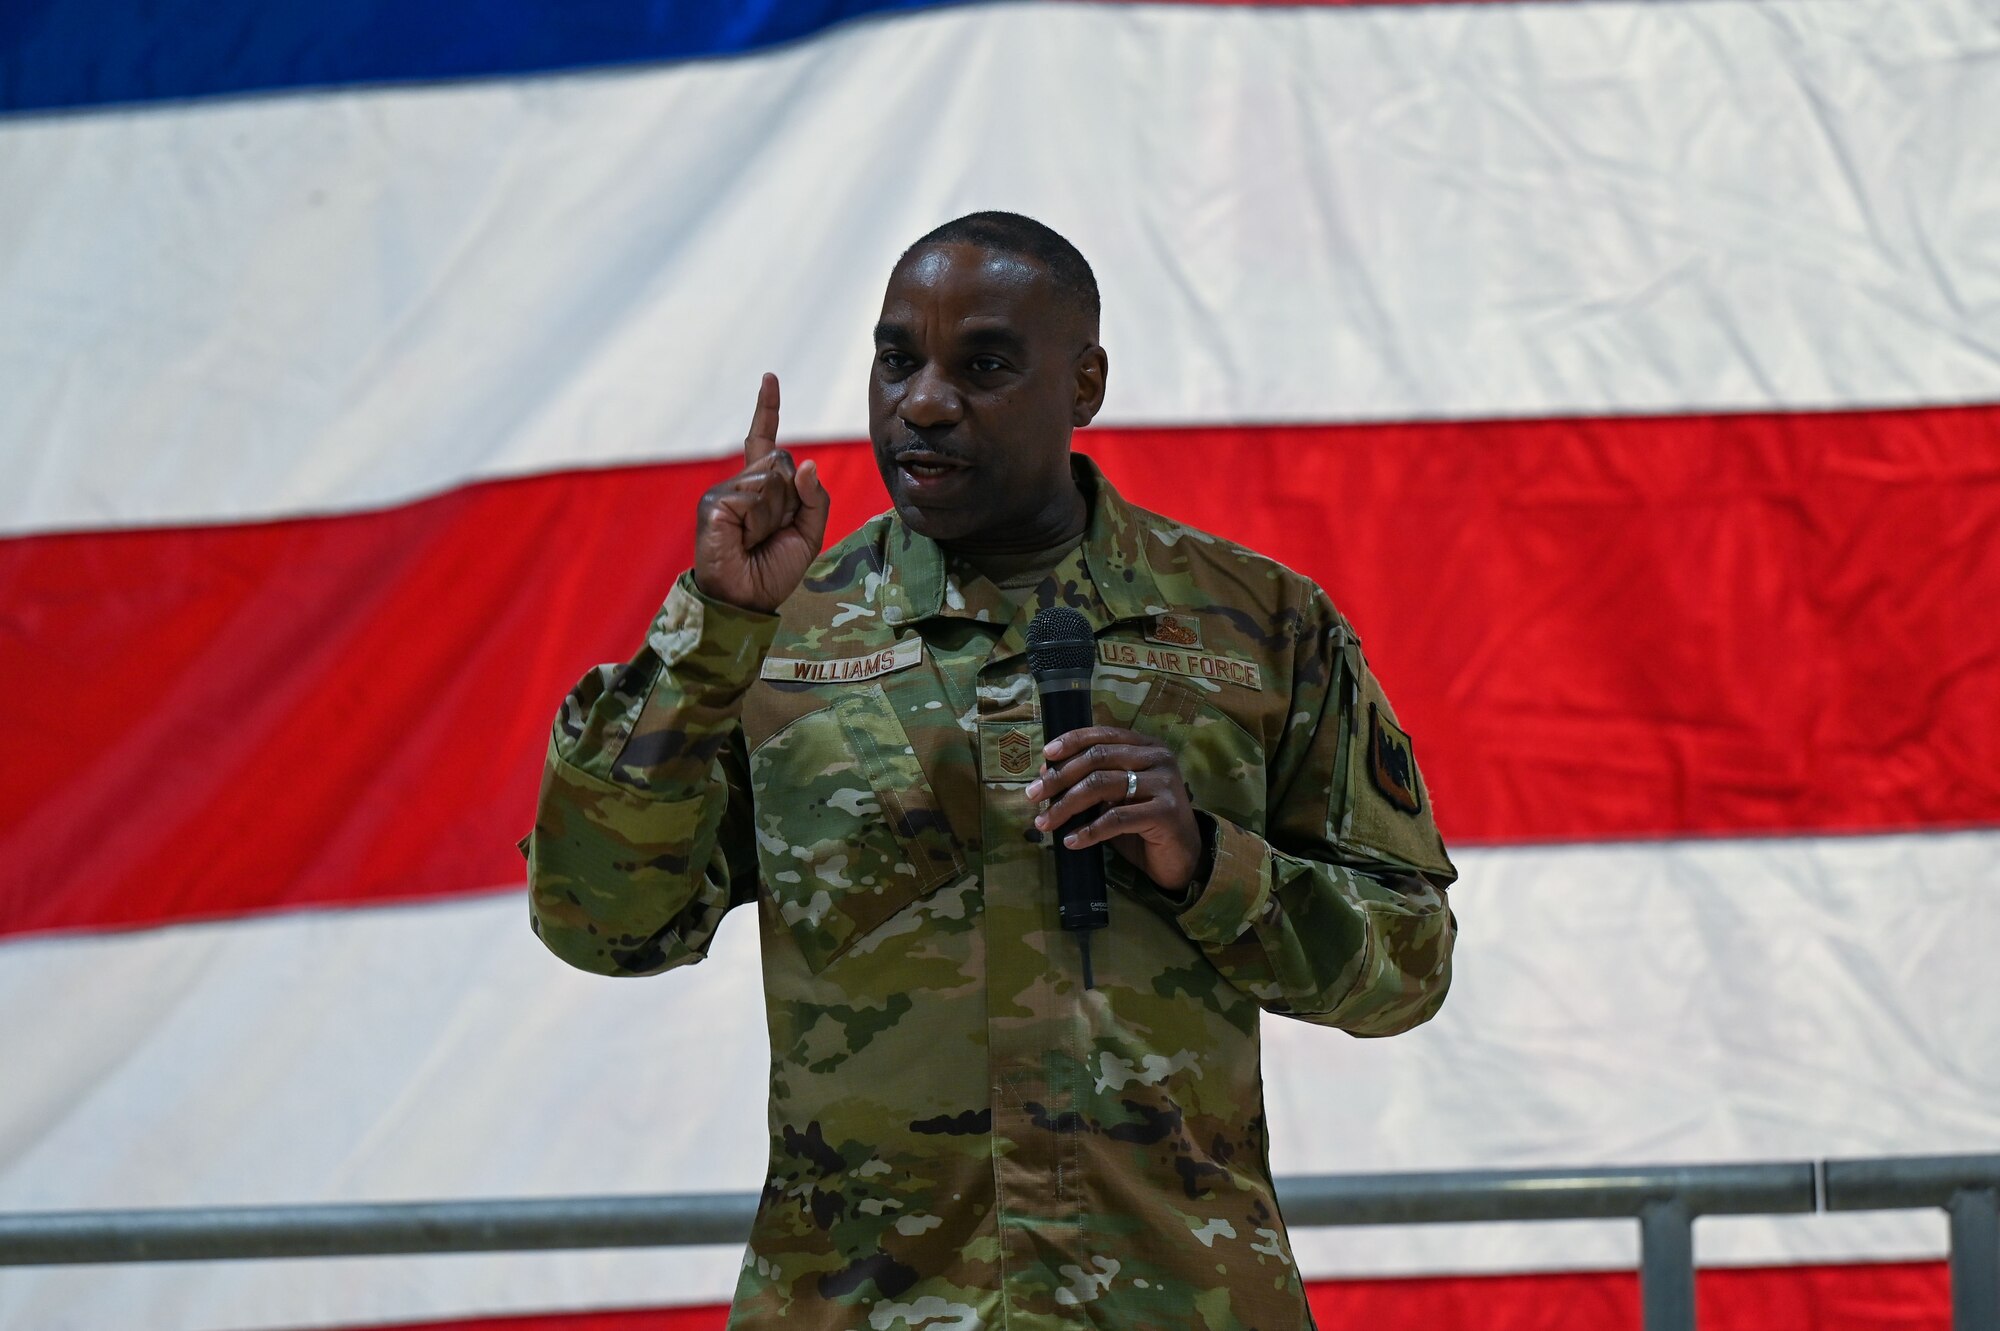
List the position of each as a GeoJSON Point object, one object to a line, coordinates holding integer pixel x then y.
{"type": "Point", "coordinates": [1666, 1265]}
{"type": "Point", "coordinates": [1975, 1259]}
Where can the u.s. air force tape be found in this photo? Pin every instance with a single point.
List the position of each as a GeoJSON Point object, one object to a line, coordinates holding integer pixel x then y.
{"type": "Point", "coordinates": [1202, 665]}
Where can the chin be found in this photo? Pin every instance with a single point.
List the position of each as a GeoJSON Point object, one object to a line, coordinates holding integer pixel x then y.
{"type": "Point", "coordinates": [940, 524]}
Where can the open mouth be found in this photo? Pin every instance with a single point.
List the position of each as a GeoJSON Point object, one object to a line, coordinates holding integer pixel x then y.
{"type": "Point", "coordinates": [926, 466]}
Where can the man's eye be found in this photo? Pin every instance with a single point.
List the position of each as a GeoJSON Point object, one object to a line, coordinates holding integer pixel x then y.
{"type": "Point", "coordinates": [894, 360]}
{"type": "Point", "coordinates": [987, 364]}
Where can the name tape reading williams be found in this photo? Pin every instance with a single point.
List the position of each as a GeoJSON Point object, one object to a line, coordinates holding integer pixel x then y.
{"type": "Point", "coordinates": [846, 669]}
{"type": "Point", "coordinates": [909, 651]}
{"type": "Point", "coordinates": [1202, 665]}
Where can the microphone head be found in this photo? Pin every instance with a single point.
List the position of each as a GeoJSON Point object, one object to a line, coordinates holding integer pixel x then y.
{"type": "Point", "coordinates": [1060, 639]}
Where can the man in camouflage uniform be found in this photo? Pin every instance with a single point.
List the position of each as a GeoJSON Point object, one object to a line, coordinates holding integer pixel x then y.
{"type": "Point", "coordinates": [962, 1134]}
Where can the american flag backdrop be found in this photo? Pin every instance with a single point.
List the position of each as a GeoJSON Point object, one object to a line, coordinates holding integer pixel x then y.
{"type": "Point", "coordinates": [1628, 372]}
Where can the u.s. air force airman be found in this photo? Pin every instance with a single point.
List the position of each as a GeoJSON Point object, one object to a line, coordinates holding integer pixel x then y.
{"type": "Point", "coordinates": [962, 1135]}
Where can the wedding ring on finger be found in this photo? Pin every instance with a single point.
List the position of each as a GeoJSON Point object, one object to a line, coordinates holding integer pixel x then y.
{"type": "Point", "coordinates": [1131, 786]}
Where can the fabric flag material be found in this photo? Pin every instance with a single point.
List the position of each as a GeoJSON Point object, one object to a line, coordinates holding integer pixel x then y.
{"type": "Point", "coordinates": [1629, 374]}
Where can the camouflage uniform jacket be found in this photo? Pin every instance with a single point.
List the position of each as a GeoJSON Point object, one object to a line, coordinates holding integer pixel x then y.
{"type": "Point", "coordinates": [962, 1136]}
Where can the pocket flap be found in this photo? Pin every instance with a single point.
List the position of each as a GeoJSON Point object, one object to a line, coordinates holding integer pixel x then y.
{"type": "Point", "coordinates": [849, 830]}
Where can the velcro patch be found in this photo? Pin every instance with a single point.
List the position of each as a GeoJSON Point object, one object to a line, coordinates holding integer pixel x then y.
{"type": "Point", "coordinates": [1009, 751]}
{"type": "Point", "coordinates": [1175, 631]}
{"type": "Point", "coordinates": [845, 669]}
{"type": "Point", "coordinates": [1202, 665]}
{"type": "Point", "coordinates": [1392, 763]}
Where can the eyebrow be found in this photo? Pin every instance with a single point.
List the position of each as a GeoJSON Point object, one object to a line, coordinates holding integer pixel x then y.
{"type": "Point", "coordinates": [996, 339]}
{"type": "Point", "coordinates": [975, 339]}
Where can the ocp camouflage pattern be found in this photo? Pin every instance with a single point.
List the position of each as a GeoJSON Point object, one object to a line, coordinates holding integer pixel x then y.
{"type": "Point", "coordinates": [961, 1136]}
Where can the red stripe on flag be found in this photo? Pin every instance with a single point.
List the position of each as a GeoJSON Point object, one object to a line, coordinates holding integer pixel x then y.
{"type": "Point", "coordinates": [1912, 1296]}
{"type": "Point", "coordinates": [1594, 629]}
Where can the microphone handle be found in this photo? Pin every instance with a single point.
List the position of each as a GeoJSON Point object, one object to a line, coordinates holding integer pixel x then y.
{"type": "Point", "coordinates": [1080, 894]}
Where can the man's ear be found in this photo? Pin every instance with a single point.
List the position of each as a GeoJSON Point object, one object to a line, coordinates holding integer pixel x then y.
{"type": "Point", "coordinates": [1092, 368]}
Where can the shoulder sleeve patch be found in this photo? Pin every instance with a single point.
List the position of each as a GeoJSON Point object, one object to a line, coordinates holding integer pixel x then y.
{"type": "Point", "coordinates": [1391, 765]}
{"type": "Point", "coordinates": [1382, 807]}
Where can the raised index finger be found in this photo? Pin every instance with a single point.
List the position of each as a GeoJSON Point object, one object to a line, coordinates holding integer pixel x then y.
{"type": "Point", "coordinates": [762, 441]}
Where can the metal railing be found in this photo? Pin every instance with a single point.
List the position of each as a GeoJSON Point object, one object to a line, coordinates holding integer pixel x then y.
{"type": "Point", "coordinates": [1967, 1187]}
{"type": "Point", "coordinates": [1665, 1200]}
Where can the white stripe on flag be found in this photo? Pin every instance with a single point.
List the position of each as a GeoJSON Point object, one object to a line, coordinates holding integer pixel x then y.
{"type": "Point", "coordinates": [1679, 1001]}
{"type": "Point", "coordinates": [321, 302]}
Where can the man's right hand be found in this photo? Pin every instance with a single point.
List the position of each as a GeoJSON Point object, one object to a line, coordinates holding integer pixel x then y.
{"type": "Point", "coordinates": [757, 532]}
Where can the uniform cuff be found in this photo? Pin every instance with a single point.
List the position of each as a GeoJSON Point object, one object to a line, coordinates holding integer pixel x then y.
{"type": "Point", "coordinates": [1238, 887]}
{"type": "Point", "coordinates": [710, 644]}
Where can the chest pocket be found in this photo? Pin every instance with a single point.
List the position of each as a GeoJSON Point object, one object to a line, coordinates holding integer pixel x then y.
{"type": "Point", "coordinates": [1222, 761]}
{"type": "Point", "coordinates": [849, 830]}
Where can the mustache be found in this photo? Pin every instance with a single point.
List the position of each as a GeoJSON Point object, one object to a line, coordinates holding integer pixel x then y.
{"type": "Point", "coordinates": [906, 441]}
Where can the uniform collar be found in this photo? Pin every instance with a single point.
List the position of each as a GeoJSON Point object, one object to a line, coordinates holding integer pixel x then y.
{"type": "Point", "coordinates": [1107, 577]}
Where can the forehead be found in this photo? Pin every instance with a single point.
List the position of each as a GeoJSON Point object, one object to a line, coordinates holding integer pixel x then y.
{"type": "Point", "coordinates": [943, 286]}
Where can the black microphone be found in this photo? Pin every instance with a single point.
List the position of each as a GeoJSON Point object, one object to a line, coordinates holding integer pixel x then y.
{"type": "Point", "coordinates": [1062, 652]}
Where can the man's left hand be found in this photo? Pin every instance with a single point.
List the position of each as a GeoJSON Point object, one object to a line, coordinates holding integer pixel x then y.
{"type": "Point", "coordinates": [1148, 816]}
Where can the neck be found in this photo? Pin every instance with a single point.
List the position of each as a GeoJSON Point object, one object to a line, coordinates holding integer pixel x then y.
{"type": "Point", "coordinates": [1057, 526]}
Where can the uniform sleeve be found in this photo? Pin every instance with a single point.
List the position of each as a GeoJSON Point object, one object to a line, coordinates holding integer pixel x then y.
{"type": "Point", "coordinates": [642, 837]}
{"type": "Point", "coordinates": [1337, 913]}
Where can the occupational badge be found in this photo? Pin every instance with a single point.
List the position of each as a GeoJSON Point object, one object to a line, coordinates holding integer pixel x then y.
{"type": "Point", "coordinates": [1175, 631]}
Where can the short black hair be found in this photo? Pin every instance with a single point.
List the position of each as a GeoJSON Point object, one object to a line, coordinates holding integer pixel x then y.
{"type": "Point", "coordinates": [1024, 237]}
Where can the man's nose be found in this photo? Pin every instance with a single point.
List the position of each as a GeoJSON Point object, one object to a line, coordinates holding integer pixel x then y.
{"type": "Point", "coordinates": [929, 400]}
